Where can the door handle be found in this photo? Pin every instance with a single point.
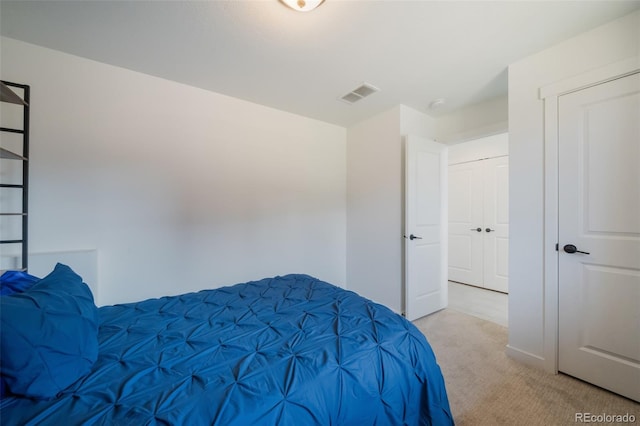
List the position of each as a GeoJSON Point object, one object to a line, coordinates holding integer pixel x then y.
{"type": "Point", "coordinates": [489, 230]}
{"type": "Point", "coordinates": [413, 237]}
{"type": "Point", "coordinates": [476, 229]}
{"type": "Point", "coordinates": [570, 248]}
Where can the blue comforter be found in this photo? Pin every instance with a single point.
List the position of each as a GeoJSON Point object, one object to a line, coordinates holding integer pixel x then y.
{"type": "Point", "coordinates": [289, 350]}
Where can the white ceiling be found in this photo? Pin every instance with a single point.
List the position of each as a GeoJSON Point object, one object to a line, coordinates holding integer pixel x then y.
{"type": "Point", "coordinates": [261, 51]}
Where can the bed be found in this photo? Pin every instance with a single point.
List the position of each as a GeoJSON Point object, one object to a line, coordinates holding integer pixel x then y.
{"type": "Point", "coordinates": [288, 350]}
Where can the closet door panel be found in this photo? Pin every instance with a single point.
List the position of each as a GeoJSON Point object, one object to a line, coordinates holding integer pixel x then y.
{"type": "Point", "coordinates": [496, 223]}
{"type": "Point", "coordinates": [465, 217]}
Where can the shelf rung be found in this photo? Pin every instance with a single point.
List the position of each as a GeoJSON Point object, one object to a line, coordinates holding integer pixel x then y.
{"type": "Point", "coordinates": [11, 241]}
{"type": "Point", "coordinates": [11, 130]}
{"type": "Point", "coordinates": [8, 95]}
{"type": "Point", "coordinates": [11, 185]}
{"type": "Point", "coordinates": [13, 214]}
{"type": "Point", "coordinates": [5, 153]}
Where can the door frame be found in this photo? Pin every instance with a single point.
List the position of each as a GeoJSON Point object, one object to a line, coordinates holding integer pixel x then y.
{"type": "Point", "coordinates": [549, 96]}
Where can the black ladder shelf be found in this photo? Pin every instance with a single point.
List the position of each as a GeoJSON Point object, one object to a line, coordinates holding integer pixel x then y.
{"type": "Point", "coordinates": [12, 153]}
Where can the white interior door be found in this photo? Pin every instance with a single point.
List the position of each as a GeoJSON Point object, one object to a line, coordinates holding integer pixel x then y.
{"type": "Point", "coordinates": [599, 214]}
{"type": "Point", "coordinates": [466, 223]}
{"type": "Point", "coordinates": [496, 223]}
{"type": "Point", "coordinates": [425, 227]}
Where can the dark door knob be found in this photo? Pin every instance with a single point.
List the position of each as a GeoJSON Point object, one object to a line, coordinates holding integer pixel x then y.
{"type": "Point", "coordinates": [413, 237]}
{"type": "Point", "coordinates": [489, 230]}
{"type": "Point", "coordinates": [476, 229]}
{"type": "Point", "coordinates": [571, 249]}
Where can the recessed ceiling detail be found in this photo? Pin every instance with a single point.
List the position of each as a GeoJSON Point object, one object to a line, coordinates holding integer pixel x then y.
{"type": "Point", "coordinates": [359, 93]}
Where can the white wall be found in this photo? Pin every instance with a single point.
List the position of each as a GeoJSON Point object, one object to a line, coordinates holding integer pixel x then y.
{"type": "Point", "coordinates": [479, 149]}
{"type": "Point", "coordinates": [413, 122]}
{"type": "Point", "coordinates": [530, 333]}
{"type": "Point", "coordinates": [374, 209]}
{"type": "Point", "coordinates": [473, 122]}
{"type": "Point", "coordinates": [177, 188]}
{"type": "Point", "coordinates": [375, 202]}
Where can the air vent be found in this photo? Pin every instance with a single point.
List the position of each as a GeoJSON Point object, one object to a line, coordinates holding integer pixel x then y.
{"type": "Point", "coordinates": [358, 93]}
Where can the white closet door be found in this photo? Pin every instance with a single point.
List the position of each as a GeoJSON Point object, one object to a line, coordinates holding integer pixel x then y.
{"type": "Point", "coordinates": [479, 223]}
{"type": "Point", "coordinates": [496, 223]}
{"type": "Point", "coordinates": [465, 219]}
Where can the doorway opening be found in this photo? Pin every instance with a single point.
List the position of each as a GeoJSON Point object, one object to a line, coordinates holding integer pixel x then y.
{"type": "Point", "coordinates": [478, 193]}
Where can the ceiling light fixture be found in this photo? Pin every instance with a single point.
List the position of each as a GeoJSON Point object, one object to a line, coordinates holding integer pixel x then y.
{"type": "Point", "coordinates": [436, 103]}
{"type": "Point", "coordinates": [303, 5]}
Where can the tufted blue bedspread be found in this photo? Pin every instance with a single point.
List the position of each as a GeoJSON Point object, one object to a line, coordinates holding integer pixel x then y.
{"type": "Point", "coordinates": [289, 350]}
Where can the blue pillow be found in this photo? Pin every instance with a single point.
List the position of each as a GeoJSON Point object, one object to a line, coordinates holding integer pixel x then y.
{"type": "Point", "coordinates": [16, 282]}
{"type": "Point", "coordinates": [49, 335]}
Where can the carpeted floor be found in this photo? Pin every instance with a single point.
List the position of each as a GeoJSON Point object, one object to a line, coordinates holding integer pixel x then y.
{"type": "Point", "coordinates": [486, 387]}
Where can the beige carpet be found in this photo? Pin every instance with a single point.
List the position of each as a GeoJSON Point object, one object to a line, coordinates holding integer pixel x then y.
{"type": "Point", "coordinates": [486, 387]}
